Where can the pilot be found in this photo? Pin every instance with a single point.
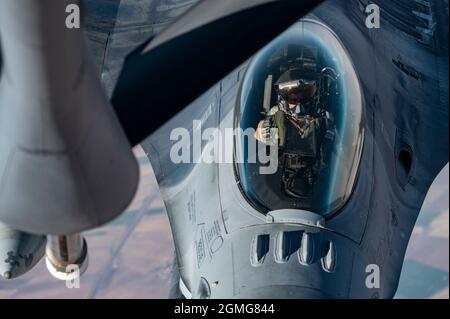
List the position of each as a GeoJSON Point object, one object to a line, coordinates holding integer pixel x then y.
{"type": "Point", "coordinates": [296, 90]}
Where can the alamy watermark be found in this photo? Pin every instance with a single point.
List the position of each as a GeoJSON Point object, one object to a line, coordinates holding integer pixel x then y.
{"type": "Point", "coordinates": [218, 147]}
{"type": "Point", "coordinates": [373, 17]}
{"type": "Point", "coordinates": [73, 19]}
{"type": "Point", "coordinates": [73, 277]}
{"type": "Point", "coordinates": [373, 277]}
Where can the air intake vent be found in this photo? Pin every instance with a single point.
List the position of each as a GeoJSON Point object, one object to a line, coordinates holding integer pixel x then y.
{"type": "Point", "coordinates": [306, 251]}
{"type": "Point", "coordinates": [286, 244]}
{"type": "Point", "coordinates": [329, 257]}
{"type": "Point", "coordinates": [259, 249]}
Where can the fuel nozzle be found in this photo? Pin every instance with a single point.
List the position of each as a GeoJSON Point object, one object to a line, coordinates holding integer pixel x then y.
{"type": "Point", "coordinates": [67, 256]}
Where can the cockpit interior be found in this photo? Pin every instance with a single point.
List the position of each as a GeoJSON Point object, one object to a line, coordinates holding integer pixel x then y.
{"type": "Point", "coordinates": [301, 93]}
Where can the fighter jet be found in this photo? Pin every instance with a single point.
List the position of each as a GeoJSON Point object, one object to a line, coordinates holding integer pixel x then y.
{"type": "Point", "coordinates": [297, 169]}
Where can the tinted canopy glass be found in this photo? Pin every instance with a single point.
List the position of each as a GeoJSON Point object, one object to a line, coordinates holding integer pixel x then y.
{"type": "Point", "coordinates": [301, 94]}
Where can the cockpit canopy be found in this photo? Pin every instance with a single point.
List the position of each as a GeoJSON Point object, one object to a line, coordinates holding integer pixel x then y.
{"type": "Point", "coordinates": [301, 96]}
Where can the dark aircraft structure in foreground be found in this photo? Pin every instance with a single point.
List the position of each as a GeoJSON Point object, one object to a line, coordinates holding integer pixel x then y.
{"type": "Point", "coordinates": [292, 142]}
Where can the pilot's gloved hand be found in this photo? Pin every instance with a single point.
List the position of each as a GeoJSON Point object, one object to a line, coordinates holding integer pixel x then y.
{"type": "Point", "coordinates": [260, 134]}
{"type": "Point", "coordinates": [265, 133]}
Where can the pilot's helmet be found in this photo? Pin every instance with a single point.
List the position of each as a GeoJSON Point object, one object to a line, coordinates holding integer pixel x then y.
{"type": "Point", "coordinates": [296, 86]}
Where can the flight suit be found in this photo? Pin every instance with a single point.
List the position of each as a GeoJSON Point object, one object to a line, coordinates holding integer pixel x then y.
{"type": "Point", "coordinates": [279, 121]}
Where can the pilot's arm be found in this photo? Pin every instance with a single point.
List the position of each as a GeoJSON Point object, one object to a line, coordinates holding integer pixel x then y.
{"type": "Point", "coordinates": [274, 119]}
{"type": "Point", "coordinates": [279, 121]}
